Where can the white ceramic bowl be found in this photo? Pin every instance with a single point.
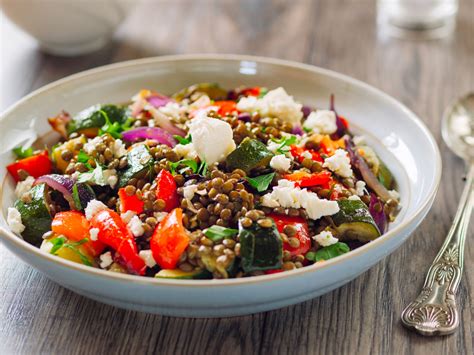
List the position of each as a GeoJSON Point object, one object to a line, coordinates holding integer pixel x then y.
{"type": "Point", "coordinates": [397, 135]}
{"type": "Point", "coordinates": [67, 27]}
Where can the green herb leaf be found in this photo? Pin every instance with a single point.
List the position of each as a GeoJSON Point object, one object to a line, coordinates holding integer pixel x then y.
{"type": "Point", "coordinates": [57, 244]}
{"type": "Point", "coordinates": [188, 163]}
{"type": "Point", "coordinates": [115, 129]}
{"type": "Point", "coordinates": [73, 247]}
{"type": "Point", "coordinates": [183, 141]}
{"type": "Point", "coordinates": [261, 183]}
{"type": "Point", "coordinates": [263, 92]}
{"type": "Point", "coordinates": [85, 159]}
{"type": "Point", "coordinates": [203, 167]}
{"type": "Point", "coordinates": [329, 252]}
{"type": "Point", "coordinates": [285, 143]}
{"type": "Point", "coordinates": [22, 153]}
{"type": "Point", "coordinates": [217, 233]}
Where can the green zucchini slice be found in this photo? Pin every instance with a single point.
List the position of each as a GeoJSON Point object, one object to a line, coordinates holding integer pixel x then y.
{"type": "Point", "coordinates": [35, 215]}
{"type": "Point", "coordinates": [250, 154]}
{"type": "Point", "coordinates": [354, 221]}
{"type": "Point", "coordinates": [260, 248]}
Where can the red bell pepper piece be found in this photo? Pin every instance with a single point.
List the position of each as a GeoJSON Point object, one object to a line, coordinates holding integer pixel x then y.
{"type": "Point", "coordinates": [226, 107]}
{"type": "Point", "coordinates": [254, 91]}
{"type": "Point", "coordinates": [169, 240]}
{"type": "Point", "coordinates": [304, 179]}
{"type": "Point", "coordinates": [302, 233]}
{"type": "Point", "coordinates": [75, 227]}
{"type": "Point", "coordinates": [274, 271]}
{"type": "Point", "coordinates": [114, 233]}
{"type": "Point", "coordinates": [130, 203]}
{"type": "Point", "coordinates": [297, 152]}
{"type": "Point", "coordinates": [166, 190]}
{"type": "Point", "coordinates": [36, 166]}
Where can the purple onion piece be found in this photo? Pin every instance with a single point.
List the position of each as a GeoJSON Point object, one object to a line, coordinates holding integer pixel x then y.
{"type": "Point", "coordinates": [297, 130]}
{"type": "Point", "coordinates": [341, 128]}
{"type": "Point", "coordinates": [60, 183]}
{"type": "Point", "coordinates": [244, 116]}
{"type": "Point", "coordinates": [379, 217]}
{"type": "Point", "coordinates": [306, 111]}
{"type": "Point", "coordinates": [155, 133]}
{"type": "Point", "coordinates": [157, 100]}
{"type": "Point", "coordinates": [369, 177]}
{"type": "Point", "coordinates": [232, 95]}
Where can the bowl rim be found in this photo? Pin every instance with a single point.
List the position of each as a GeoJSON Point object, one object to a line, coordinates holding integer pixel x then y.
{"type": "Point", "coordinates": [151, 281]}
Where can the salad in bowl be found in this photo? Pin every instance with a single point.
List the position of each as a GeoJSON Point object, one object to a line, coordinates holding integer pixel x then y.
{"type": "Point", "coordinates": [205, 184]}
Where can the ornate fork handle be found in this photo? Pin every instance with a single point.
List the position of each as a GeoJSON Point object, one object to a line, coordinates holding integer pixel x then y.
{"type": "Point", "coordinates": [434, 311]}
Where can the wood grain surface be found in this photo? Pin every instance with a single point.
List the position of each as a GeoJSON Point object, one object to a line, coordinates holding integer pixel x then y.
{"type": "Point", "coordinates": [37, 316]}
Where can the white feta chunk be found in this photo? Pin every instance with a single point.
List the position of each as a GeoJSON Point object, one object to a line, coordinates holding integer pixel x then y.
{"type": "Point", "coordinates": [89, 147]}
{"type": "Point", "coordinates": [94, 233]}
{"type": "Point", "coordinates": [287, 195]}
{"type": "Point", "coordinates": [135, 226]}
{"type": "Point", "coordinates": [94, 207]}
{"type": "Point", "coordinates": [321, 121]}
{"type": "Point", "coordinates": [354, 198]}
{"type": "Point", "coordinates": [280, 163]}
{"type": "Point", "coordinates": [189, 191]}
{"type": "Point", "coordinates": [14, 220]}
{"type": "Point", "coordinates": [118, 149]}
{"type": "Point", "coordinates": [110, 176]}
{"type": "Point", "coordinates": [358, 140]}
{"type": "Point", "coordinates": [325, 239]}
{"type": "Point", "coordinates": [212, 138]}
{"type": "Point", "coordinates": [160, 216]}
{"type": "Point", "coordinates": [147, 257]}
{"type": "Point", "coordinates": [171, 109]}
{"type": "Point", "coordinates": [105, 260]}
{"type": "Point", "coordinates": [360, 188]}
{"type": "Point", "coordinates": [127, 216]}
{"type": "Point", "coordinates": [46, 246]}
{"type": "Point", "coordinates": [307, 155]}
{"type": "Point", "coordinates": [339, 163]}
{"type": "Point", "coordinates": [24, 186]}
{"type": "Point", "coordinates": [276, 103]}
{"type": "Point", "coordinates": [185, 151]}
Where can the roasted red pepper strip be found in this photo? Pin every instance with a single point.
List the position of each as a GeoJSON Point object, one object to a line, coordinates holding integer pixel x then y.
{"type": "Point", "coordinates": [166, 190]}
{"type": "Point", "coordinates": [302, 232]}
{"type": "Point", "coordinates": [75, 227]}
{"type": "Point", "coordinates": [114, 233]}
{"type": "Point", "coordinates": [304, 179]}
{"type": "Point", "coordinates": [36, 166]}
{"type": "Point", "coordinates": [130, 203]}
{"type": "Point", "coordinates": [169, 240]}
{"type": "Point", "coordinates": [254, 91]}
{"type": "Point", "coordinates": [225, 107]}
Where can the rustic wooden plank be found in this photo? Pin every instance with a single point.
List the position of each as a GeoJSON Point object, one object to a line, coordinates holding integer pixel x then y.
{"type": "Point", "coordinates": [361, 317]}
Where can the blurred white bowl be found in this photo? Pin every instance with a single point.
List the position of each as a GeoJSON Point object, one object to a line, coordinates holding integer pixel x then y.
{"type": "Point", "coordinates": [68, 27]}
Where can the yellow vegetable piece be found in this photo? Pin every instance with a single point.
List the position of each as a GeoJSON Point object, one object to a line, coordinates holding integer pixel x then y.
{"type": "Point", "coordinates": [59, 162]}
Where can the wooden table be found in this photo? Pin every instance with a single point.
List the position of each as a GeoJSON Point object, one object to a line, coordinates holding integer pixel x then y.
{"type": "Point", "coordinates": [36, 315]}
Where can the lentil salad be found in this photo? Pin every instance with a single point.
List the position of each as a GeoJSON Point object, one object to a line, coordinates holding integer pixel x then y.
{"type": "Point", "coordinates": [207, 183]}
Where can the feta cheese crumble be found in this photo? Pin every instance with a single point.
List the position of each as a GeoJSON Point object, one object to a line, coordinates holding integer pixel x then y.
{"type": "Point", "coordinates": [307, 155]}
{"type": "Point", "coordinates": [89, 147]}
{"type": "Point", "coordinates": [118, 149]}
{"type": "Point", "coordinates": [94, 207]}
{"type": "Point", "coordinates": [288, 196]}
{"type": "Point", "coordinates": [189, 191]}
{"type": "Point", "coordinates": [160, 216]}
{"type": "Point", "coordinates": [354, 198]}
{"type": "Point", "coordinates": [280, 163]}
{"type": "Point", "coordinates": [24, 186]}
{"type": "Point", "coordinates": [212, 138]}
{"type": "Point", "coordinates": [105, 260]}
{"type": "Point", "coordinates": [135, 226]}
{"type": "Point", "coordinates": [14, 220]}
{"type": "Point", "coordinates": [110, 176]}
{"type": "Point", "coordinates": [93, 233]}
{"type": "Point", "coordinates": [127, 216]}
{"type": "Point", "coordinates": [360, 188]}
{"type": "Point", "coordinates": [147, 257]}
{"type": "Point", "coordinates": [321, 121]}
{"type": "Point", "coordinates": [46, 246]}
{"type": "Point", "coordinates": [325, 239]}
{"type": "Point", "coordinates": [185, 151]}
{"type": "Point", "coordinates": [276, 103]}
{"type": "Point", "coordinates": [339, 163]}
{"type": "Point", "coordinates": [358, 140]}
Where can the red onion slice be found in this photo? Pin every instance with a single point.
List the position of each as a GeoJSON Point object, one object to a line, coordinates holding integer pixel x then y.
{"type": "Point", "coordinates": [155, 133]}
{"type": "Point", "coordinates": [60, 183]}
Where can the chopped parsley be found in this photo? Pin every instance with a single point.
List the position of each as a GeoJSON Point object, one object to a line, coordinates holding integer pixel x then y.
{"type": "Point", "coordinates": [285, 143]}
{"type": "Point", "coordinates": [217, 233]}
{"type": "Point", "coordinates": [187, 163]}
{"type": "Point", "coordinates": [261, 183]}
{"type": "Point", "coordinates": [183, 140]}
{"type": "Point", "coordinates": [61, 242]}
{"type": "Point", "coordinates": [22, 153]}
{"type": "Point", "coordinates": [328, 252]}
